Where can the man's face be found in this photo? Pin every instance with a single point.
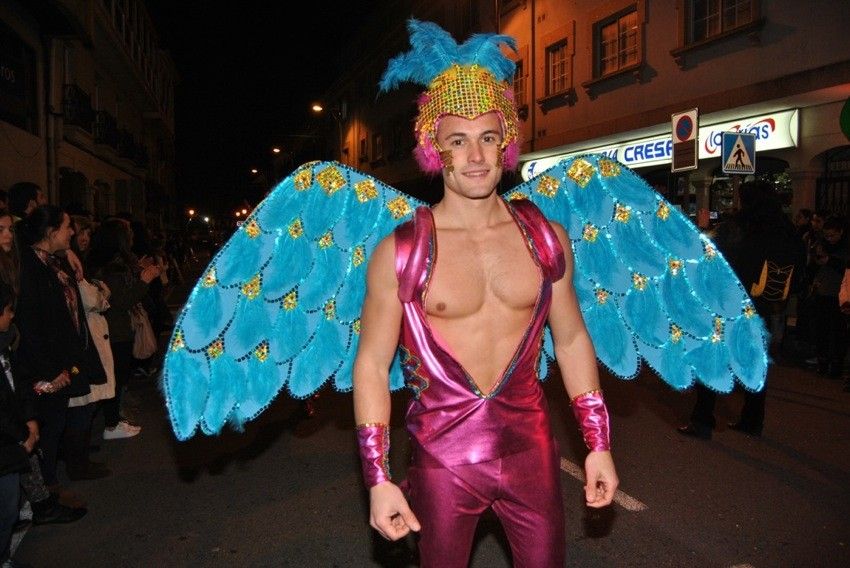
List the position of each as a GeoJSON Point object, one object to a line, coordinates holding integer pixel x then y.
{"type": "Point", "coordinates": [832, 236]}
{"type": "Point", "coordinates": [40, 198]}
{"type": "Point", "coordinates": [61, 237]}
{"type": "Point", "coordinates": [471, 152]}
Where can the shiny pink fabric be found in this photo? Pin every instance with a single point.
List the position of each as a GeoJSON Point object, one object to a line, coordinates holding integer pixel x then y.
{"type": "Point", "coordinates": [524, 491]}
{"type": "Point", "coordinates": [592, 416]}
{"type": "Point", "coordinates": [374, 443]}
{"type": "Point", "coordinates": [467, 444]}
{"type": "Point", "coordinates": [449, 419]}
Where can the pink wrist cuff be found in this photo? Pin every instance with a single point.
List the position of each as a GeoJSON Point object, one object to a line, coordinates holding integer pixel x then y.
{"type": "Point", "coordinates": [592, 416]}
{"type": "Point", "coordinates": [374, 442]}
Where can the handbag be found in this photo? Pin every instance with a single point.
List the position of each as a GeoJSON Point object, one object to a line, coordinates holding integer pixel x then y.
{"type": "Point", "coordinates": [144, 340]}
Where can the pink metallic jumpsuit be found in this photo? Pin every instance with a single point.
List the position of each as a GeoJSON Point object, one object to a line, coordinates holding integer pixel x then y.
{"type": "Point", "coordinates": [472, 451]}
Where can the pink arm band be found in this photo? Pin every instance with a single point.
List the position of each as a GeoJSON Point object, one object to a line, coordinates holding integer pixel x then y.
{"type": "Point", "coordinates": [592, 416]}
{"type": "Point", "coordinates": [374, 442]}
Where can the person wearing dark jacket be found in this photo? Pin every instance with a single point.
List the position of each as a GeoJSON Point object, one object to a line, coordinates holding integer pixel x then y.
{"type": "Point", "coordinates": [56, 356]}
{"type": "Point", "coordinates": [18, 427]}
{"type": "Point", "coordinates": [763, 248]}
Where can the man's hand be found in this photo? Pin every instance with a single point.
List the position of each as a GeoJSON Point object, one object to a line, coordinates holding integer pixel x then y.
{"type": "Point", "coordinates": [32, 439]}
{"type": "Point", "coordinates": [390, 514]}
{"type": "Point", "coordinates": [602, 479]}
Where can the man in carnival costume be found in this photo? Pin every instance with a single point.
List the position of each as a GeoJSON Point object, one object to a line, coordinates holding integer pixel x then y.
{"type": "Point", "coordinates": [465, 289]}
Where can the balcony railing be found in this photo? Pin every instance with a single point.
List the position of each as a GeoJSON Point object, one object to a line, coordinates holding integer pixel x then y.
{"type": "Point", "coordinates": [77, 108]}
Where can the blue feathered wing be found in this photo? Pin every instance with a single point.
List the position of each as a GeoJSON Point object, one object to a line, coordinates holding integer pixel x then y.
{"type": "Point", "coordinates": [650, 285]}
{"type": "Point", "coordinates": [279, 305]}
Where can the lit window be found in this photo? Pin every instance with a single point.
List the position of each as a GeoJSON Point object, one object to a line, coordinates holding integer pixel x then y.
{"type": "Point", "coordinates": [519, 84]}
{"type": "Point", "coordinates": [556, 68]}
{"type": "Point", "coordinates": [709, 18]}
{"type": "Point", "coordinates": [618, 43]}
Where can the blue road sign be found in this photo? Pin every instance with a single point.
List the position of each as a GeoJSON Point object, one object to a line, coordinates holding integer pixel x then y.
{"type": "Point", "coordinates": [739, 153]}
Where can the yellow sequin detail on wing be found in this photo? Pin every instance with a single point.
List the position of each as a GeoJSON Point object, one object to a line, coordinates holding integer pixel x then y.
{"type": "Point", "coordinates": [590, 233]}
{"type": "Point", "coordinates": [262, 352]}
{"type": "Point", "coordinates": [663, 211]}
{"type": "Point", "coordinates": [675, 333]}
{"type": "Point", "coordinates": [639, 281]}
{"type": "Point", "coordinates": [601, 296]}
{"type": "Point", "coordinates": [331, 180]}
{"type": "Point", "coordinates": [216, 349]}
{"type": "Point", "coordinates": [622, 213]}
{"type": "Point", "coordinates": [304, 179]}
{"type": "Point", "coordinates": [326, 240]}
{"type": "Point", "coordinates": [365, 190]}
{"type": "Point", "coordinates": [548, 186]}
{"type": "Point", "coordinates": [718, 330]}
{"type": "Point", "coordinates": [517, 195]}
{"type": "Point", "coordinates": [580, 172]}
{"type": "Point", "coordinates": [210, 278]}
{"type": "Point", "coordinates": [358, 257]}
{"type": "Point", "coordinates": [609, 168]}
{"type": "Point", "coordinates": [178, 343]}
{"type": "Point", "coordinates": [251, 289]}
{"type": "Point", "coordinates": [675, 266]}
{"type": "Point", "coordinates": [749, 311]}
{"type": "Point", "coordinates": [355, 327]}
{"type": "Point", "coordinates": [290, 301]}
{"type": "Point", "coordinates": [399, 207]}
{"type": "Point", "coordinates": [252, 228]}
{"type": "Point", "coordinates": [330, 309]}
{"type": "Point", "coordinates": [296, 229]}
{"type": "Point", "coordinates": [710, 251]}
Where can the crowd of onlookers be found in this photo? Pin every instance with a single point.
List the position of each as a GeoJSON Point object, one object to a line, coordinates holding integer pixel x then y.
{"type": "Point", "coordinates": [73, 291]}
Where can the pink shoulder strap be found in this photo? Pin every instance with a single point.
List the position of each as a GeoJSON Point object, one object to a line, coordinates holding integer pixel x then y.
{"type": "Point", "coordinates": [412, 249]}
{"type": "Point", "coordinates": [549, 249]}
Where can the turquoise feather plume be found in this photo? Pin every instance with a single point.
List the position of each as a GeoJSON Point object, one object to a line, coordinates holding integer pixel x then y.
{"type": "Point", "coordinates": [433, 50]}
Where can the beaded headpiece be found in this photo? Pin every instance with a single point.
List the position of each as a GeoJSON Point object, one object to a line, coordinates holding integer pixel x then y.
{"type": "Point", "coordinates": [466, 80]}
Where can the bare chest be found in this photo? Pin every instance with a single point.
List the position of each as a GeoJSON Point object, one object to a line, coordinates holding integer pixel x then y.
{"type": "Point", "coordinates": [471, 275]}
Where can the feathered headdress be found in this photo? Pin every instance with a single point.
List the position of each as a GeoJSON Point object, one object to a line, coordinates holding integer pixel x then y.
{"type": "Point", "coordinates": [466, 80]}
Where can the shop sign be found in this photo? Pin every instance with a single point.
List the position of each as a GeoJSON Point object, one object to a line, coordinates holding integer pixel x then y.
{"type": "Point", "coordinates": [772, 131]}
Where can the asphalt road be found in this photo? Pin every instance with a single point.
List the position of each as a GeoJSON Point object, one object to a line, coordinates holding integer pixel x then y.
{"type": "Point", "coordinates": [287, 491]}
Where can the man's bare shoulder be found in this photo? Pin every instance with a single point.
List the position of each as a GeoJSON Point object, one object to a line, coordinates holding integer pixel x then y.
{"type": "Point", "coordinates": [382, 262]}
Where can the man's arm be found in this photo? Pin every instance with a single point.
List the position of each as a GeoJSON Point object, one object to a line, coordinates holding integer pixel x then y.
{"type": "Point", "coordinates": [380, 322]}
{"type": "Point", "coordinates": [577, 361]}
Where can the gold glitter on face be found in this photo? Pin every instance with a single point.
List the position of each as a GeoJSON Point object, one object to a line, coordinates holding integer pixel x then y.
{"type": "Point", "coordinates": [446, 160]}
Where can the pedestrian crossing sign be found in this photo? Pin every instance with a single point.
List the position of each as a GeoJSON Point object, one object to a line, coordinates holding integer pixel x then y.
{"type": "Point", "coordinates": [739, 153]}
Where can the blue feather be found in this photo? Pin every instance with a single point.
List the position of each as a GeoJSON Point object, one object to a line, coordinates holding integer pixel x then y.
{"type": "Point", "coordinates": [675, 233]}
{"type": "Point", "coordinates": [683, 307]}
{"type": "Point", "coordinates": [669, 363]}
{"type": "Point", "coordinates": [747, 338]}
{"type": "Point", "coordinates": [716, 285]}
{"type": "Point", "coordinates": [643, 312]}
{"type": "Point", "coordinates": [321, 360]}
{"type": "Point", "coordinates": [185, 387]}
{"type": "Point", "coordinates": [205, 308]}
{"type": "Point", "coordinates": [250, 326]}
{"type": "Point", "coordinates": [242, 259]}
{"type": "Point", "coordinates": [612, 341]}
{"type": "Point", "coordinates": [433, 51]}
{"type": "Point", "coordinates": [483, 50]}
{"type": "Point", "coordinates": [646, 259]}
{"type": "Point", "coordinates": [225, 380]}
{"type": "Point", "coordinates": [292, 329]}
{"type": "Point", "coordinates": [710, 361]}
{"type": "Point", "coordinates": [264, 381]}
{"type": "Point", "coordinates": [291, 262]}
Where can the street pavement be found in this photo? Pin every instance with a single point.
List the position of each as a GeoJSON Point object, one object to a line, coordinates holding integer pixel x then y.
{"type": "Point", "coordinates": [287, 491]}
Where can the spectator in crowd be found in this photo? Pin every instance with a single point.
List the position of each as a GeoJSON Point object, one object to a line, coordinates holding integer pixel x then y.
{"type": "Point", "coordinates": [112, 262]}
{"type": "Point", "coordinates": [764, 250]}
{"type": "Point", "coordinates": [830, 256]}
{"type": "Point", "coordinates": [55, 354]}
{"type": "Point", "coordinates": [46, 507]}
{"type": "Point", "coordinates": [18, 428]}
{"type": "Point", "coordinates": [25, 196]}
{"type": "Point", "coordinates": [4, 199]}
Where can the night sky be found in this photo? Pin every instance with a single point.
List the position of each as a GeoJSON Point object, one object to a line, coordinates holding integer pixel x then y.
{"type": "Point", "coordinates": [248, 72]}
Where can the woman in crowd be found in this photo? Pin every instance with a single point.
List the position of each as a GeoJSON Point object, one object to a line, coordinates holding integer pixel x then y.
{"type": "Point", "coordinates": [55, 350]}
{"type": "Point", "coordinates": [112, 262]}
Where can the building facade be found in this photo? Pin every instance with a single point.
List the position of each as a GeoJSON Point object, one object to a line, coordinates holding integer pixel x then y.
{"type": "Point", "coordinates": [87, 106]}
{"type": "Point", "coordinates": [606, 76]}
